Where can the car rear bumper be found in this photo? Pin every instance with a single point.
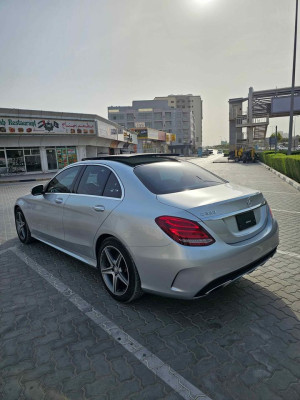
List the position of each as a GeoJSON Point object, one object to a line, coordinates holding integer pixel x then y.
{"type": "Point", "coordinates": [191, 272]}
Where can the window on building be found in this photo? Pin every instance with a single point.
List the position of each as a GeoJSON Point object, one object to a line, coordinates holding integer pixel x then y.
{"type": "Point", "coordinates": [33, 159]}
{"type": "Point", "coordinates": [158, 116]}
{"type": "Point", "coordinates": [144, 116]}
{"type": "Point", "coordinates": [15, 160]}
{"type": "Point", "coordinates": [2, 158]}
{"type": "Point", "coordinates": [117, 117]}
{"type": "Point", "coordinates": [168, 115]}
{"type": "Point", "coordinates": [51, 159]}
{"type": "Point", "coordinates": [130, 117]}
{"type": "Point", "coordinates": [148, 124]}
{"type": "Point", "coordinates": [65, 156]}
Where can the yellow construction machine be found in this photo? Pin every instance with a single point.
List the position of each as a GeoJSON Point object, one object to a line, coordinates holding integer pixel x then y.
{"type": "Point", "coordinates": [240, 153]}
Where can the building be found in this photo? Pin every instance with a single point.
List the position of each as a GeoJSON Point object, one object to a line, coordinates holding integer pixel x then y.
{"type": "Point", "coordinates": [45, 141]}
{"type": "Point", "coordinates": [162, 114]}
{"type": "Point", "coordinates": [192, 103]}
{"type": "Point", "coordinates": [151, 140]}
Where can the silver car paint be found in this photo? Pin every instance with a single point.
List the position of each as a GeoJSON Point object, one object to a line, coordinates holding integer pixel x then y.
{"type": "Point", "coordinates": [158, 258]}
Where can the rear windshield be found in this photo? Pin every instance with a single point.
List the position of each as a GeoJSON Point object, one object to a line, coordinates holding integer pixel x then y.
{"type": "Point", "coordinates": [172, 177]}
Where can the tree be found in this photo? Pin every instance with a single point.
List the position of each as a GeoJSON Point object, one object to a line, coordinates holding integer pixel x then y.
{"type": "Point", "coordinates": [279, 136]}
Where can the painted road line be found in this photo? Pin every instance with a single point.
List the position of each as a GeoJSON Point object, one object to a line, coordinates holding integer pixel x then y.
{"type": "Point", "coordinates": [179, 384]}
{"type": "Point", "coordinates": [291, 212]}
{"type": "Point", "coordinates": [269, 191]}
{"type": "Point", "coordinates": [288, 253]}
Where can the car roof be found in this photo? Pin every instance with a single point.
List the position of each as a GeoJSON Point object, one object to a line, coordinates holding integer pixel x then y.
{"type": "Point", "coordinates": [135, 159]}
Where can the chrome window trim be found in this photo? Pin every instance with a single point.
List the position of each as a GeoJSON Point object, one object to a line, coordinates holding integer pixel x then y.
{"type": "Point", "coordinates": [98, 197]}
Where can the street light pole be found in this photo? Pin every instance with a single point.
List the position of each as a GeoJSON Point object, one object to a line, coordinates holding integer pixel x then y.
{"type": "Point", "coordinates": [293, 85]}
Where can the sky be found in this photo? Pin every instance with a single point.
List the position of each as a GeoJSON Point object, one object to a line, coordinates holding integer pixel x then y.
{"type": "Point", "coordinates": [83, 56]}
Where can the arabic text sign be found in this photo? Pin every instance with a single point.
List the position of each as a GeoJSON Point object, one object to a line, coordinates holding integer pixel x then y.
{"type": "Point", "coordinates": [40, 125]}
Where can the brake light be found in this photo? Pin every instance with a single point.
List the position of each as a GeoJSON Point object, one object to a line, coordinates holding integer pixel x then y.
{"type": "Point", "coordinates": [270, 211]}
{"type": "Point", "coordinates": [184, 231]}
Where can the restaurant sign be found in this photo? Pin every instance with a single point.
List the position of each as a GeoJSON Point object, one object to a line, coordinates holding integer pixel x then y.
{"type": "Point", "coordinates": [39, 125]}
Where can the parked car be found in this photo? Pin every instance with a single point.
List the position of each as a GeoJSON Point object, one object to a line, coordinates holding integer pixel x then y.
{"type": "Point", "coordinates": [151, 223]}
{"type": "Point", "coordinates": [220, 151]}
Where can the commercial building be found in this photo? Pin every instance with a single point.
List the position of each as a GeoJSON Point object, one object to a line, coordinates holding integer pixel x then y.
{"type": "Point", "coordinates": [172, 114]}
{"type": "Point", "coordinates": [45, 141]}
{"type": "Point", "coordinates": [151, 140]}
{"type": "Point", "coordinates": [191, 103]}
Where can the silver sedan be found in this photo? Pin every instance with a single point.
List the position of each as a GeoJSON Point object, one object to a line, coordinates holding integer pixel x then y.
{"type": "Point", "coordinates": [151, 223]}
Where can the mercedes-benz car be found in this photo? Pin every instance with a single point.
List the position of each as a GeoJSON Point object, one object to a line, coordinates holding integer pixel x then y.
{"type": "Point", "coordinates": [151, 223]}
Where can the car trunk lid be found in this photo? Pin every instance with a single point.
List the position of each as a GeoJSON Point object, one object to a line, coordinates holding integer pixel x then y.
{"type": "Point", "coordinates": [234, 213]}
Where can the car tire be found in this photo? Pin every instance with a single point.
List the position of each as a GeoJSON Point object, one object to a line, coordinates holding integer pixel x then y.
{"type": "Point", "coordinates": [23, 230]}
{"type": "Point", "coordinates": [118, 271]}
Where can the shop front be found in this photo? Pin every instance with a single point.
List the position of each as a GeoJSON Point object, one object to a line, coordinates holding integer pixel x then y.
{"type": "Point", "coordinates": [150, 140]}
{"type": "Point", "coordinates": [33, 142]}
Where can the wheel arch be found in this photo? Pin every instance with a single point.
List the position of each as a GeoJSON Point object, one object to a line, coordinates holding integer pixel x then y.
{"type": "Point", "coordinates": [104, 236]}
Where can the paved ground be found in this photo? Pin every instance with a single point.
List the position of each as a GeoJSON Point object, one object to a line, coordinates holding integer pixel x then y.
{"type": "Point", "coordinates": [240, 343]}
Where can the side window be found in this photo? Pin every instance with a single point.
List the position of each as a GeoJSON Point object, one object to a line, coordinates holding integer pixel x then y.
{"type": "Point", "coordinates": [112, 187]}
{"type": "Point", "coordinates": [63, 182]}
{"type": "Point", "coordinates": [93, 180]}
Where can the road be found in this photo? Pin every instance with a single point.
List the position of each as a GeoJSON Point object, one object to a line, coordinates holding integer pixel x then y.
{"type": "Point", "coordinates": [63, 337]}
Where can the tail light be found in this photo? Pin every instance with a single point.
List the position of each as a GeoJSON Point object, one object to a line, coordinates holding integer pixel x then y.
{"type": "Point", "coordinates": [184, 231]}
{"type": "Point", "coordinates": [270, 211]}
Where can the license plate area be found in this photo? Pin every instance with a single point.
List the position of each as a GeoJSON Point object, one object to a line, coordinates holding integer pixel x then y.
{"type": "Point", "coordinates": [245, 220]}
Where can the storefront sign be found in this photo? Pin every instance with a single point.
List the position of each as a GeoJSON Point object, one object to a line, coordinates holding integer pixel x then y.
{"type": "Point", "coordinates": [143, 134]}
{"type": "Point", "coordinates": [139, 124]}
{"type": "Point", "coordinates": [162, 136]}
{"type": "Point", "coordinates": [29, 125]}
{"type": "Point", "coordinates": [170, 137]}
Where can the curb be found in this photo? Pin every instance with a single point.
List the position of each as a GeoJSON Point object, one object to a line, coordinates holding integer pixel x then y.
{"type": "Point", "coordinates": [285, 178]}
{"type": "Point", "coordinates": [24, 180]}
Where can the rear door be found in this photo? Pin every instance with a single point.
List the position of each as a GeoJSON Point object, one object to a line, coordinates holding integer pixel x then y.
{"type": "Point", "coordinates": [97, 194]}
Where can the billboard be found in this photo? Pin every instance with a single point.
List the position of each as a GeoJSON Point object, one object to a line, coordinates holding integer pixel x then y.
{"type": "Point", "coordinates": [48, 126]}
{"type": "Point", "coordinates": [281, 105]}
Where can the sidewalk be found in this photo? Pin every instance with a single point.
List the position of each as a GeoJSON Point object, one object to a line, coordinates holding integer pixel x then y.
{"type": "Point", "coordinates": [26, 177]}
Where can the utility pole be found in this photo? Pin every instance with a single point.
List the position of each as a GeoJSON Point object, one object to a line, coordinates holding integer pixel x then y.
{"type": "Point", "coordinates": [276, 139]}
{"type": "Point", "coordinates": [293, 85]}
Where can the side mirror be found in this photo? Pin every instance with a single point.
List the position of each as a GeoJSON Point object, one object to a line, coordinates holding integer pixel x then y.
{"type": "Point", "coordinates": [37, 190]}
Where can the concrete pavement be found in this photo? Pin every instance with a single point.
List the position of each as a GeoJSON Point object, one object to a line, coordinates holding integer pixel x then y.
{"type": "Point", "coordinates": [241, 342]}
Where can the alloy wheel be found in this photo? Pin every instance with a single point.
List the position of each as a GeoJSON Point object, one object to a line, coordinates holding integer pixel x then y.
{"type": "Point", "coordinates": [114, 270]}
{"type": "Point", "coordinates": [21, 225]}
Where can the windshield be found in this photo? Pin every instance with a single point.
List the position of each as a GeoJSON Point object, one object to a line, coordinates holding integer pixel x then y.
{"type": "Point", "coordinates": [170, 177]}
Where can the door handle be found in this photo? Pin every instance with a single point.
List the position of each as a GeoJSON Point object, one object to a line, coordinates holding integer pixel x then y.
{"type": "Point", "coordinates": [99, 208]}
{"type": "Point", "coordinates": [58, 200]}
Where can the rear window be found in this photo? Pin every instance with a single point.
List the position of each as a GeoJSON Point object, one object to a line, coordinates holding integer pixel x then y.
{"type": "Point", "coordinates": [172, 177]}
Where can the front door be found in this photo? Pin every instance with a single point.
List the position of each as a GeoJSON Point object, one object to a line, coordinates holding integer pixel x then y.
{"type": "Point", "coordinates": [47, 209]}
{"type": "Point", "coordinates": [97, 194]}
